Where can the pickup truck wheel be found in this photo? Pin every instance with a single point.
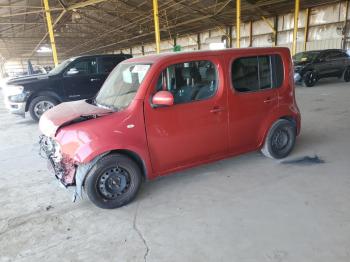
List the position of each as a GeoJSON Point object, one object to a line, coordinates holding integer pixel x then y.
{"type": "Point", "coordinates": [39, 105]}
{"type": "Point", "coordinates": [310, 79]}
{"type": "Point", "coordinates": [347, 75]}
{"type": "Point", "coordinates": [113, 182]}
{"type": "Point", "coordinates": [280, 140]}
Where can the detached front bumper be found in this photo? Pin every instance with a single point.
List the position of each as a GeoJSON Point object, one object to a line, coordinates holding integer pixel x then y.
{"type": "Point", "coordinates": [59, 164]}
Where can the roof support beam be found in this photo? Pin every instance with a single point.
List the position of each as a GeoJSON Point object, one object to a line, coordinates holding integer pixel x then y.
{"type": "Point", "coordinates": [273, 28]}
{"type": "Point", "coordinates": [345, 30]}
{"type": "Point", "coordinates": [47, 33]}
{"type": "Point", "coordinates": [306, 30]}
{"type": "Point", "coordinates": [84, 4]}
{"type": "Point", "coordinates": [238, 23]}
{"type": "Point", "coordinates": [156, 25]}
{"type": "Point", "coordinates": [250, 33]}
{"type": "Point", "coordinates": [295, 31]}
{"type": "Point", "coordinates": [27, 13]}
{"type": "Point", "coordinates": [147, 34]}
{"type": "Point", "coordinates": [50, 30]}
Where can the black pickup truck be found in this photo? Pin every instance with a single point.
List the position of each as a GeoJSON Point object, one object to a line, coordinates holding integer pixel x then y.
{"type": "Point", "coordinates": [311, 66]}
{"type": "Point", "coordinates": [74, 79]}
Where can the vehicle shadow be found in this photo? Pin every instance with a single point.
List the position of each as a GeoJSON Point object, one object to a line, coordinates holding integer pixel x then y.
{"type": "Point", "coordinates": [308, 144]}
{"type": "Point", "coordinates": [202, 176]}
{"type": "Point", "coordinates": [25, 121]}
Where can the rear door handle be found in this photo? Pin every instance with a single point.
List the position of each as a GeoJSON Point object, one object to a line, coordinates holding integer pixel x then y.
{"type": "Point", "coordinates": [217, 110]}
{"type": "Point", "coordinates": [94, 79]}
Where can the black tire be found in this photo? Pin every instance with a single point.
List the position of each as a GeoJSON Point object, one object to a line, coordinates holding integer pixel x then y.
{"type": "Point", "coordinates": [310, 79]}
{"type": "Point", "coordinates": [113, 182]}
{"type": "Point", "coordinates": [33, 106]}
{"type": "Point", "coordinates": [347, 75]}
{"type": "Point", "coordinates": [280, 139]}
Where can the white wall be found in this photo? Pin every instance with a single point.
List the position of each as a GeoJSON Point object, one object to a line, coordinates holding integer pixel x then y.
{"type": "Point", "coordinates": [325, 26]}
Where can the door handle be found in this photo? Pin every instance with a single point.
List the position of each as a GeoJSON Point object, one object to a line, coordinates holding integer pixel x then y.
{"type": "Point", "coordinates": [269, 99]}
{"type": "Point", "coordinates": [217, 110]}
{"type": "Point", "coordinates": [94, 79]}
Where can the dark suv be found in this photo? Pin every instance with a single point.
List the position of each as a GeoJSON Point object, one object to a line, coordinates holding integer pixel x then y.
{"type": "Point", "coordinates": [311, 66]}
{"type": "Point", "coordinates": [74, 79]}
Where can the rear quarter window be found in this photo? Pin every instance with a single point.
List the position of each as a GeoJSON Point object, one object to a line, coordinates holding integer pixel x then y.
{"type": "Point", "coordinates": [255, 73]}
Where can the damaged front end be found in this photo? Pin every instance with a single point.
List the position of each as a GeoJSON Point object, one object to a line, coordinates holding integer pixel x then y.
{"type": "Point", "coordinates": [63, 167]}
{"type": "Point", "coordinates": [66, 170]}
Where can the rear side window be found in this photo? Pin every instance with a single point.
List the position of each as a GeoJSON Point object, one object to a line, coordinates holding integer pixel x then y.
{"type": "Point", "coordinates": [250, 74]}
{"type": "Point", "coordinates": [339, 54]}
{"type": "Point", "coordinates": [108, 64]}
{"type": "Point", "coordinates": [189, 81]}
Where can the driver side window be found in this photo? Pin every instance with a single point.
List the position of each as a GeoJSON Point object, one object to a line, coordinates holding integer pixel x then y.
{"type": "Point", "coordinates": [189, 81]}
{"type": "Point", "coordinates": [82, 67]}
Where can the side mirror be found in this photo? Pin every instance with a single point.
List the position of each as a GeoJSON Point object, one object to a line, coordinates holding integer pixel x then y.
{"type": "Point", "coordinates": [162, 99]}
{"type": "Point", "coordinates": [72, 71]}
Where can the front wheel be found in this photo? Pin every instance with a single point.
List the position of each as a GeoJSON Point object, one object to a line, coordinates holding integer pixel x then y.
{"type": "Point", "coordinates": [113, 182]}
{"type": "Point", "coordinates": [310, 79]}
{"type": "Point", "coordinates": [39, 105]}
{"type": "Point", "coordinates": [280, 139]}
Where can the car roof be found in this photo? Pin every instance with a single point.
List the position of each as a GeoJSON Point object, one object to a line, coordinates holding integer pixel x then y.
{"type": "Point", "coordinates": [323, 50]}
{"type": "Point", "coordinates": [102, 55]}
{"type": "Point", "coordinates": [242, 51]}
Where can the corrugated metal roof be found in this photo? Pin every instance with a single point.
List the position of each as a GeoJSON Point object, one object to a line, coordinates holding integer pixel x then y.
{"type": "Point", "coordinates": [117, 24]}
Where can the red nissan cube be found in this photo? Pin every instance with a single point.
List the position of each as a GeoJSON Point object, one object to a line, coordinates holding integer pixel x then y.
{"type": "Point", "coordinates": [159, 114]}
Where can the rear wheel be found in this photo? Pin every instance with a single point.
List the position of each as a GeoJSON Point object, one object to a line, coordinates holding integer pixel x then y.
{"type": "Point", "coordinates": [113, 182]}
{"type": "Point", "coordinates": [280, 139]}
{"type": "Point", "coordinates": [39, 105]}
{"type": "Point", "coordinates": [310, 79]}
{"type": "Point", "coordinates": [347, 75]}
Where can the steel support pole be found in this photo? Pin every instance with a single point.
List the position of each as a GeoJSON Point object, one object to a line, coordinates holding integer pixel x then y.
{"type": "Point", "coordinates": [50, 29]}
{"type": "Point", "coordinates": [238, 23]}
{"type": "Point", "coordinates": [250, 33]}
{"type": "Point", "coordinates": [295, 32]}
{"type": "Point", "coordinates": [276, 31]}
{"type": "Point", "coordinates": [199, 41]}
{"type": "Point", "coordinates": [306, 30]}
{"type": "Point", "coordinates": [344, 44]}
{"type": "Point", "coordinates": [156, 25]}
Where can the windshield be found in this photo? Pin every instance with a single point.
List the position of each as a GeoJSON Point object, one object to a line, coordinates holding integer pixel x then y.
{"type": "Point", "coordinates": [305, 56]}
{"type": "Point", "coordinates": [61, 66]}
{"type": "Point", "coordinates": [121, 86]}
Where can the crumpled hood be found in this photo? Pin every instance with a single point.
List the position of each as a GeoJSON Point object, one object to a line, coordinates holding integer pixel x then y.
{"type": "Point", "coordinates": [67, 112]}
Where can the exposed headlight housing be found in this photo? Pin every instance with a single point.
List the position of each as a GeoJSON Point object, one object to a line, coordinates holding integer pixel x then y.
{"type": "Point", "coordinates": [20, 98]}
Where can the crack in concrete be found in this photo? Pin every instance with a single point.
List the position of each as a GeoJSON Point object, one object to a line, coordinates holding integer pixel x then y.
{"type": "Point", "coordinates": [140, 234]}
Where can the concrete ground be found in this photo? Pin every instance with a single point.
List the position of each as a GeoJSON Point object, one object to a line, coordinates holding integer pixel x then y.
{"type": "Point", "coordinates": [247, 208]}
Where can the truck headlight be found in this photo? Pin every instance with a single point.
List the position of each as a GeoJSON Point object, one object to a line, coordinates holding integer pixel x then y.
{"type": "Point", "coordinates": [13, 90]}
{"type": "Point", "coordinates": [19, 98]}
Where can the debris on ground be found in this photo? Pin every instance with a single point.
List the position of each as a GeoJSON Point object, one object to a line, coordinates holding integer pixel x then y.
{"type": "Point", "coordinates": [305, 160]}
{"type": "Point", "coordinates": [49, 207]}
